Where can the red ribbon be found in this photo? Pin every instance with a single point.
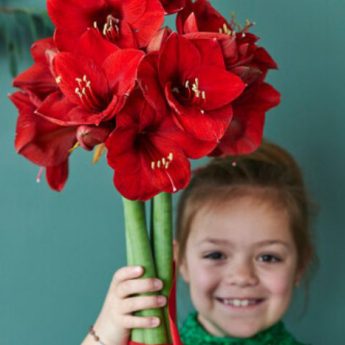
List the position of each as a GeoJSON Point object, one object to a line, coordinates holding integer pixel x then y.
{"type": "Point", "coordinates": [175, 336]}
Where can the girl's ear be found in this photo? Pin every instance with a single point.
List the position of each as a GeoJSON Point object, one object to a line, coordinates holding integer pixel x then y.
{"type": "Point", "coordinates": [298, 277]}
{"type": "Point", "coordinates": [183, 267]}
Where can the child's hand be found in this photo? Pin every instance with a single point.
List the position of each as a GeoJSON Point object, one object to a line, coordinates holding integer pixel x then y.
{"type": "Point", "coordinates": [116, 320]}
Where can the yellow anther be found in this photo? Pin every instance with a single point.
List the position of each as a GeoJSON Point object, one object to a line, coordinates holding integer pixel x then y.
{"type": "Point", "coordinates": [77, 91]}
{"type": "Point", "coordinates": [76, 145]}
{"type": "Point", "coordinates": [152, 165]}
{"type": "Point", "coordinates": [99, 150]}
{"type": "Point", "coordinates": [58, 79]}
{"type": "Point", "coordinates": [170, 156]}
{"type": "Point", "coordinates": [203, 94]}
{"type": "Point", "coordinates": [202, 111]}
{"type": "Point", "coordinates": [95, 25]}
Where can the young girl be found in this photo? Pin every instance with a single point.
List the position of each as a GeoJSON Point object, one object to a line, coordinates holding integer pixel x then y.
{"type": "Point", "coordinates": [242, 245]}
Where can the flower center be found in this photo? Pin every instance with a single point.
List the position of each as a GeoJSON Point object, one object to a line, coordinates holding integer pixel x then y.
{"type": "Point", "coordinates": [87, 96]}
{"type": "Point", "coordinates": [163, 162]}
{"type": "Point", "coordinates": [110, 29]}
{"type": "Point", "coordinates": [190, 93]}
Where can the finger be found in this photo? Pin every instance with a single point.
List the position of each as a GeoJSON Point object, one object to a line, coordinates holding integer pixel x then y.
{"type": "Point", "coordinates": [130, 305]}
{"type": "Point", "coordinates": [130, 321]}
{"type": "Point", "coordinates": [135, 286]}
{"type": "Point", "coordinates": [128, 272]}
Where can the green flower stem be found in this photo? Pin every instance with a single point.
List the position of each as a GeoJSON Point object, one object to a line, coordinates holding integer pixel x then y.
{"type": "Point", "coordinates": [139, 250]}
{"type": "Point", "coordinates": [162, 240]}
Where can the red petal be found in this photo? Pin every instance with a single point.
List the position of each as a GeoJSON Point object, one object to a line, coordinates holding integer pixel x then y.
{"type": "Point", "coordinates": [36, 79]}
{"type": "Point", "coordinates": [132, 10]}
{"type": "Point", "coordinates": [121, 70]}
{"type": "Point", "coordinates": [127, 38]}
{"type": "Point", "coordinates": [210, 52]}
{"type": "Point", "coordinates": [190, 25]}
{"type": "Point", "coordinates": [57, 176]}
{"type": "Point", "coordinates": [149, 82]}
{"type": "Point", "coordinates": [149, 23]}
{"type": "Point", "coordinates": [208, 18]}
{"type": "Point", "coordinates": [221, 87]}
{"type": "Point", "coordinates": [41, 48]}
{"type": "Point", "coordinates": [158, 40]}
{"type": "Point", "coordinates": [191, 146]}
{"type": "Point", "coordinates": [263, 57]}
{"type": "Point", "coordinates": [173, 6]}
{"type": "Point", "coordinates": [93, 46]}
{"type": "Point", "coordinates": [178, 56]}
{"type": "Point", "coordinates": [244, 134]}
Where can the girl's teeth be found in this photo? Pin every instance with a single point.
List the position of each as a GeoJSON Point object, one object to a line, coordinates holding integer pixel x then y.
{"type": "Point", "coordinates": [240, 303]}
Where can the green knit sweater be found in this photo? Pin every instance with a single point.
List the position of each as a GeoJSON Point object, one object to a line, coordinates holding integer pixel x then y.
{"type": "Point", "coordinates": [192, 333]}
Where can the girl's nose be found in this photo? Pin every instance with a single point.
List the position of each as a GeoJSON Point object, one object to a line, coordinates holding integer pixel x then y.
{"type": "Point", "coordinates": [242, 274]}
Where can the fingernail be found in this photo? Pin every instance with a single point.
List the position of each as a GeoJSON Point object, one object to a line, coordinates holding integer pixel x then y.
{"type": "Point", "coordinates": [138, 269]}
{"type": "Point", "coordinates": [155, 322]}
{"type": "Point", "coordinates": [158, 284]}
{"type": "Point", "coordinates": [161, 300]}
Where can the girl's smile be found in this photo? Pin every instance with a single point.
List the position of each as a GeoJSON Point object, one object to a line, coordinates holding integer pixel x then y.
{"type": "Point", "coordinates": [241, 265]}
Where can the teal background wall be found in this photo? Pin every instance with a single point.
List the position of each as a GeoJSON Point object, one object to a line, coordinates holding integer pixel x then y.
{"type": "Point", "coordinates": [58, 251]}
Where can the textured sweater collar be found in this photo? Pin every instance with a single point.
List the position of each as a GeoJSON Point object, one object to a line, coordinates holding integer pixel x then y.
{"type": "Point", "coordinates": [192, 333]}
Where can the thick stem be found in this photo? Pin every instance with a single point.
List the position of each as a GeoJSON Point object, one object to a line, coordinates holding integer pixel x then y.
{"type": "Point", "coordinates": [139, 250]}
{"type": "Point", "coordinates": [162, 240]}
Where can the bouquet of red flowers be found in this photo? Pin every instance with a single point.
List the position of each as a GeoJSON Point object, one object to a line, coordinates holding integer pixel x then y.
{"type": "Point", "coordinates": [113, 79]}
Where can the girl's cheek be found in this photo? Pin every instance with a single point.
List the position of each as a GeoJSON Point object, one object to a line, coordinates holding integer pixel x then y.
{"type": "Point", "coordinates": [279, 283]}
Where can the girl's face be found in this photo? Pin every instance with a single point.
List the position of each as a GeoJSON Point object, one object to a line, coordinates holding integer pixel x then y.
{"type": "Point", "coordinates": [241, 266]}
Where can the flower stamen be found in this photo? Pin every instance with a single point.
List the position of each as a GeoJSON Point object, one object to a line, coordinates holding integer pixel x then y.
{"type": "Point", "coordinates": [86, 94]}
{"type": "Point", "coordinates": [75, 146]}
{"type": "Point", "coordinates": [58, 79]}
{"type": "Point", "coordinates": [164, 162]}
{"type": "Point", "coordinates": [225, 30]}
{"type": "Point", "coordinates": [195, 88]}
{"type": "Point", "coordinates": [39, 175]}
{"type": "Point", "coordinates": [111, 28]}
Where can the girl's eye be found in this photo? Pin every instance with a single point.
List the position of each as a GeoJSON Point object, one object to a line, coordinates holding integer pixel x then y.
{"type": "Point", "coordinates": [214, 256]}
{"type": "Point", "coordinates": [269, 258]}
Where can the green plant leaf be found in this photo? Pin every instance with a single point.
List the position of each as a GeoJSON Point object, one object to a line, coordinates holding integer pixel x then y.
{"type": "Point", "coordinates": [19, 28]}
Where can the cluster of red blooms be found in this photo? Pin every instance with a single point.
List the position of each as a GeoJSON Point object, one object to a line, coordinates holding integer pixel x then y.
{"type": "Point", "coordinates": [112, 77]}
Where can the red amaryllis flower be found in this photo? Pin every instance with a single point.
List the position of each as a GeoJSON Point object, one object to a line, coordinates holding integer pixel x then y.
{"type": "Point", "coordinates": [172, 6]}
{"type": "Point", "coordinates": [38, 78]}
{"type": "Point", "coordinates": [243, 57]}
{"type": "Point", "coordinates": [42, 142]}
{"type": "Point", "coordinates": [194, 82]}
{"type": "Point", "coordinates": [95, 90]}
{"type": "Point", "coordinates": [241, 54]}
{"type": "Point", "coordinates": [127, 23]}
{"type": "Point", "coordinates": [146, 150]}
{"type": "Point", "coordinates": [245, 132]}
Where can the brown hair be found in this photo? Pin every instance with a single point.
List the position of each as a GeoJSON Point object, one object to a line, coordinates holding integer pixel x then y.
{"type": "Point", "coordinates": [269, 173]}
